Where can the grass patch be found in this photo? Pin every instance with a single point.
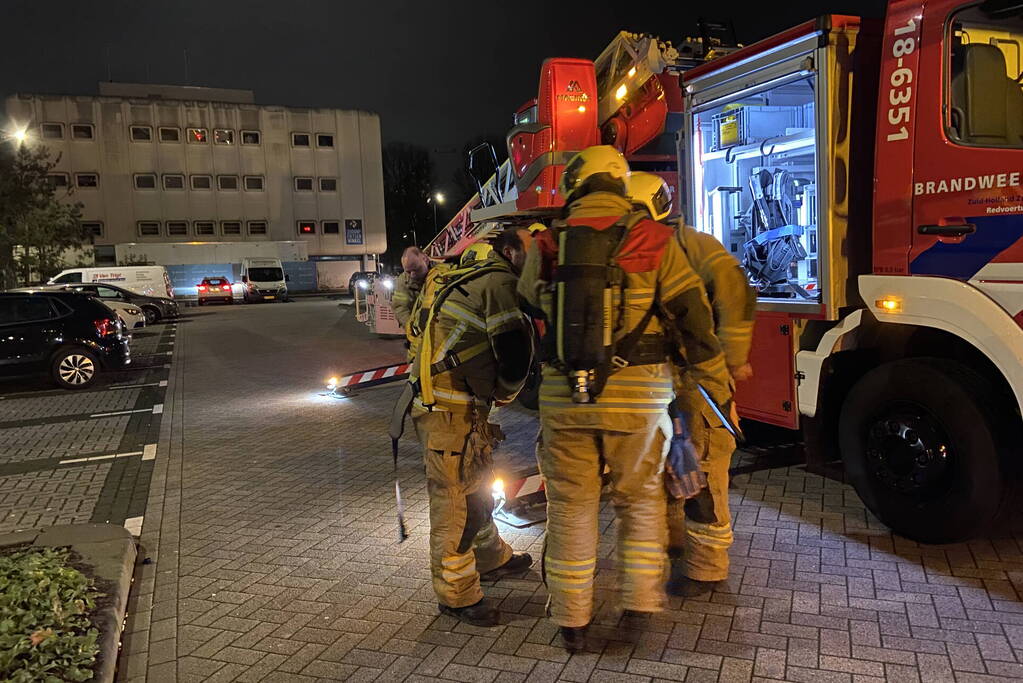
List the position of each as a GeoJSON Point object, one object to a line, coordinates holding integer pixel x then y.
{"type": "Point", "coordinates": [45, 631]}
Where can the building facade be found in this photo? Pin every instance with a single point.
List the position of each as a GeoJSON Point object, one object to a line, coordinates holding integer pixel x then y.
{"type": "Point", "coordinates": [169, 164]}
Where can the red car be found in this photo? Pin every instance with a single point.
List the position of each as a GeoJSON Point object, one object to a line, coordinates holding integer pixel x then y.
{"type": "Point", "coordinates": [215, 289]}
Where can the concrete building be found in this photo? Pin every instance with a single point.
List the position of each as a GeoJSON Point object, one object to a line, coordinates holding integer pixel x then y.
{"type": "Point", "coordinates": [170, 164]}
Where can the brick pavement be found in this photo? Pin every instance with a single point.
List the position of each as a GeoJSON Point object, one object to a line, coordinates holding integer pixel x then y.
{"type": "Point", "coordinates": [69, 457]}
{"type": "Point", "coordinates": [272, 528]}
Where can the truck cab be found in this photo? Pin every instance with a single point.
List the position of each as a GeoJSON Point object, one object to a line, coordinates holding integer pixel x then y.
{"type": "Point", "coordinates": [867, 175]}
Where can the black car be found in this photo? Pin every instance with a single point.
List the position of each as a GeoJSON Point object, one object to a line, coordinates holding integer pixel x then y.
{"type": "Point", "coordinates": [66, 334]}
{"type": "Point", "coordinates": [155, 308]}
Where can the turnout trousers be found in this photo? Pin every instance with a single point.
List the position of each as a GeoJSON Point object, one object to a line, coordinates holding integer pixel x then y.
{"type": "Point", "coordinates": [572, 459]}
{"type": "Point", "coordinates": [464, 541]}
{"type": "Point", "coordinates": [700, 529]}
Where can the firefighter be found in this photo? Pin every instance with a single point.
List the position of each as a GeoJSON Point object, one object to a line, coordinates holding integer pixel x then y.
{"type": "Point", "coordinates": [626, 425]}
{"type": "Point", "coordinates": [699, 529]}
{"type": "Point", "coordinates": [475, 352]}
{"type": "Point", "coordinates": [414, 265]}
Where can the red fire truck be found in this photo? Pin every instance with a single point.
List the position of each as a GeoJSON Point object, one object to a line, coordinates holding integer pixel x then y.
{"type": "Point", "coordinates": [869, 176]}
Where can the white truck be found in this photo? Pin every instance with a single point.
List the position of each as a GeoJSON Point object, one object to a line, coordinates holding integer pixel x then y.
{"type": "Point", "coordinates": [145, 280]}
{"type": "Point", "coordinates": [263, 279]}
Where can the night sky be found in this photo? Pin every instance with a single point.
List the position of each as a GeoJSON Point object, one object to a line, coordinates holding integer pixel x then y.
{"type": "Point", "coordinates": [437, 73]}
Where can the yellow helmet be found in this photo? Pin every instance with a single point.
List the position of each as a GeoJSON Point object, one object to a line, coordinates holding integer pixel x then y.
{"type": "Point", "coordinates": [652, 192]}
{"type": "Point", "coordinates": [589, 162]}
{"type": "Point", "coordinates": [536, 227]}
{"type": "Point", "coordinates": [477, 251]}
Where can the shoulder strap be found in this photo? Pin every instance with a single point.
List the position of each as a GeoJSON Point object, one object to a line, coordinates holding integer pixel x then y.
{"type": "Point", "coordinates": [628, 343]}
{"type": "Point", "coordinates": [427, 367]}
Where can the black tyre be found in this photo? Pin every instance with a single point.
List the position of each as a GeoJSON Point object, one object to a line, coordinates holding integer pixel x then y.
{"type": "Point", "coordinates": [920, 442]}
{"type": "Point", "coordinates": [74, 368]}
{"type": "Point", "coordinates": [152, 315]}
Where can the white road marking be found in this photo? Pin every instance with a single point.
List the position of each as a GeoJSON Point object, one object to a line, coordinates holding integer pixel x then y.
{"type": "Point", "coordinates": [163, 383]}
{"type": "Point", "coordinates": [100, 457]}
{"type": "Point", "coordinates": [134, 525]}
{"type": "Point", "coordinates": [149, 451]}
{"type": "Point", "coordinates": [123, 412]}
{"type": "Point", "coordinates": [115, 387]}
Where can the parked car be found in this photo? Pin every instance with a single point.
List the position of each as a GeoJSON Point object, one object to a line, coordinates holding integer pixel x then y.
{"type": "Point", "coordinates": [70, 336]}
{"type": "Point", "coordinates": [130, 315]}
{"type": "Point", "coordinates": [144, 280]}
{"type": "Point", "coordinates": [215, 289]}
{"type": "Point", "coordinates": [154, 308]}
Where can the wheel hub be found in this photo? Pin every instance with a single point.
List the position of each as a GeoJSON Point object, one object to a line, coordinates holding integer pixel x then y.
{"type": "Point", "coordinates": [909, 452]}
{"type": "Point", "coordinates": [76, 369]}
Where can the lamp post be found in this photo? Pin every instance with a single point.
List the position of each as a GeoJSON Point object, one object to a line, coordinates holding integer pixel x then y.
{"type": "Point", "coordinates": [435, 199]}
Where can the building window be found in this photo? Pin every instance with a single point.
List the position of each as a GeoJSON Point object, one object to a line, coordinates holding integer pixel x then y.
{"type": "Point", "coordinates": [197, 135]}
{"type": "Point", "coordinates": [141, 134]}
{"type": "Point", "coordinates": [87, 180]}
{"type": "Point", "coordinates": [149, 228]}
{"type": "Point", "coordinates": [169, 134]}
{"type": "Point", "coordinates": [307, 227]}
{"type": "Point", "coordinates": [250, 137]}
{"type": "Point", "coordinates": [328, 184]}
{"type": "Point", "coordinates": [177, 228]}
{"type": "Point", "coordinates": [300, 139]}
{"type": "Point", "coordinates": [145, 181]}
{"type": "Point", "coordinates": [173, 181]}
{"type": "Point", "coordinates": [231, 227]}
{"type": "Point", "coordinates": [304, 184]}
{"type": "Point", "coordinates": [57, 179]}
{"type": "Point", "coordinates": [223, 136]}
{"type": "Point", "coordinates": [52, 131]}
{"type": "Point", "coordinates": [93, 229]}
{"type": "Point", "coordinates": [324, 140]}
{"type": "Point", "coordinates": [82, 131]}
{"type": "Point", "coordinates": [257, 227]}
{"type": "Point", "coordinates": [331, 228]}
{"type": "Point", "coordinates": [202, 182]}
{"type": "Point", "coordinates": [254, 183]}
{"type": "Point", "coordinates": [227, 182]}
{"type": "Point", "coordinates": [205, 228]}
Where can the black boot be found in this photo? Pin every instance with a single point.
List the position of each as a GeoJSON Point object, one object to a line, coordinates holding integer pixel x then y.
{"type": "Point", "coordinates": [691, 588]}
{"type": "Point", "coordinates": [574, 637]}
{"type": "Point", "coordinates": [479, 614]}
{"type": "Point", "coordinates": [518, 563]}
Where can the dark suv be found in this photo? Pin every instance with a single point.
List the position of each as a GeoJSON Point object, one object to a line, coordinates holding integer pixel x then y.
{"type": "Point", "coordinates": [66, 334]}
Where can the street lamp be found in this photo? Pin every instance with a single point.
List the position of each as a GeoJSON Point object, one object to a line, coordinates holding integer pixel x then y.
{"type": "Point", "coordinates": [437, 198]}
{"type": "Point", "coordinates": [19, 135]}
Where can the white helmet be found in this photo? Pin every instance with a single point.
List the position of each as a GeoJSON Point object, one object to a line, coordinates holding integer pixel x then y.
{"type": "Point", "coordinates": [652, 192]}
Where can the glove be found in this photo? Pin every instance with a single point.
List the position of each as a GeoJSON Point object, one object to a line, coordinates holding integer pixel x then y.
{"type": "Point", "coordinates": [683, 477]}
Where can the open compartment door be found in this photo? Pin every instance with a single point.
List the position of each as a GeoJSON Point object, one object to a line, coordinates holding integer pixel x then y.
{"type": "Point", "coordinates": [770, 395]}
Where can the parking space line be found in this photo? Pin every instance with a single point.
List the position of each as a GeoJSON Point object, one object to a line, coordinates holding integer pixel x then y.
{"type": "Point", "coordinates": [126, 412]}
{"type": "Point", "coordinates": [149, 451]}
{"type": "Point", "coordinates": [93, 458]}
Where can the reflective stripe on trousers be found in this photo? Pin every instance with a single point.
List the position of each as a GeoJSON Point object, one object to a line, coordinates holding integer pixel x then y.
{"type": "Point", "coordinates": [571, 459]}
{"type": "Point", "coordinates": [701, 527]}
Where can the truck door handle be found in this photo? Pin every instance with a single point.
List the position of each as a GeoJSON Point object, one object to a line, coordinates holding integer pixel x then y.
{"type": "Point", "coordinates": [947, 230]}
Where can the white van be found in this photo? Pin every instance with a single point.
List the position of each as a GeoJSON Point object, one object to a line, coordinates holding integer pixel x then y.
{"type": "Point", "coordinates": [263, 279]}
{"type": "Point", "coordinates": [147, 280]}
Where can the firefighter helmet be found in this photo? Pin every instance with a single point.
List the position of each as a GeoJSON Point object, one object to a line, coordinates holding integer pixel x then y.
{"type": "Point", "coordinates": [477, 251]}
{"type": "Point", "coordinates": [599, 159]}
{"type": "Point", "coordinates": [652, 192]}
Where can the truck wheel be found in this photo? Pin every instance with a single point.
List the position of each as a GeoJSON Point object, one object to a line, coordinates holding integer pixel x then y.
{"type": "Point", "coordinates": [74, 369]}
{"type": "Point", "coordinates": [920, 442]}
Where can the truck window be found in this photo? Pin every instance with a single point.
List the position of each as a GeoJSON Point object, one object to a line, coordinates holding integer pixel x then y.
{"type": "Point", "coordinates": [756, 186]}
{"type": "Point", "coordinates": [985, 67]}
{"type": "Point", "coordinates": [69, 277]}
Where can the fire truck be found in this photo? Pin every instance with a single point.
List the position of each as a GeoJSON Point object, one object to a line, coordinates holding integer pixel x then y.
{"type": "Point", "coordinates": [867, 175]}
